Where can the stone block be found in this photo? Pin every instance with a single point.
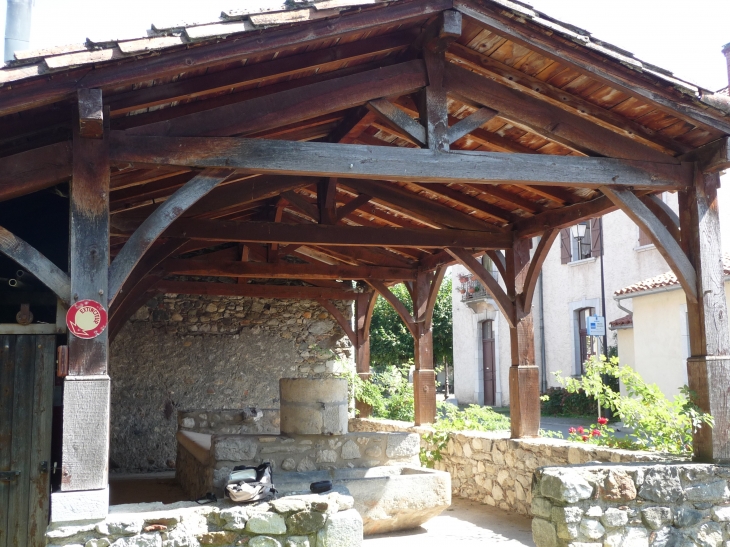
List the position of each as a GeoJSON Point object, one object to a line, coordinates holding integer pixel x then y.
{"type": "Point", "coordinates": [636, 537]}
{"type": "Point", "coordinates": [618, 486]}
{"type": "Point", "coordinates": [343, 529]}
{"type": "Point", "coordinates": [541, 507]}
{"type": "Point", "coordinates": [614, 518]}
{"type": "Point", "coordinates": [297, 541]}
{"type": "Point", "coordinates": [709, 535]}
{"type": "Point", "coordinates": [716, 491]}
{"type": "Point", "coordinates": [235, 518]}
{"type": "Point", "coordinates": [661, 485]}
{"type": "Point", "coordinates": [350, 450]}
{"type": "Point", "coordinates": [544, 533]}
{"type": "Point", "coordinates": [288, 505]}
{"type": "Point", "coordinates": [98, 542]}
{"type": "Point", "coordinates": [564, 486]}
{"type": "Point", "coordinates": [403, 445]}
{"type": "Point", "coordinates": [721, 514]}
{"type": "Point", "coordinates": [592, 529]}
{"type": "Point", "coordinates": [266, 523]}
{"type": "Point", "coordinates": [234, 448]}
{"type": "Point", "coordinates": [145, 540]}
{"type": "Point", "coordinates": [305, 522]}
{"type": "Point", "coordinates": [686, 516]}
{"type": "Point", "coordinates": [656, 517]}
{"type": "Point", "coordinates": [264, 541]}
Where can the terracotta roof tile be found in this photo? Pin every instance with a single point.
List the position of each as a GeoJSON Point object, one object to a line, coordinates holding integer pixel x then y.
{"type": "Point", "coordinates": [667, 279]}
{"type": "Point", "coordinates": [622, 322]}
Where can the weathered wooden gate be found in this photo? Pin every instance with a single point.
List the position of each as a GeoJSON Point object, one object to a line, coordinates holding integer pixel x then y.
{"type": "Point", "coordinates": [26, 408]}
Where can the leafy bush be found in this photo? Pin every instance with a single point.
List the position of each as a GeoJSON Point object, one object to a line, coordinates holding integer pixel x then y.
{"type": "Point", "coordinates": [473, 418]}
{"type": "Point", "coordinates": [388, 393]}
{"type": "Point", "coordinates": [656, 423]}
{"type": "Point", "coordinates": [561, 402]}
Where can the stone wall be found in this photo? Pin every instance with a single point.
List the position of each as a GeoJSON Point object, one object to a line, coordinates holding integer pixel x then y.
{"type": "Point", "coordinates": [187, 352]}
{"type": "Point", "coordinates": [324, 520]}
{"type": "Point", "coordinates": [682, 505]}
{"type": "Point", "coordinates": [491, 468]}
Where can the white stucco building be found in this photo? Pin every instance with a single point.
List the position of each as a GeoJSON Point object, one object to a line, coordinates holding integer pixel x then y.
{"type": "Point", "coordinates": [569, 290]}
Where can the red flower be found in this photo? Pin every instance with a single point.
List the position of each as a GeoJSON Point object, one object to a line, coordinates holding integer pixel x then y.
{"type": "Point", "coordinates": [581, 430]}
{"type": "Point", "coordinates": [596, 433]}
{"type": "Point", "coordinates": [585, 438]}
{"type": "Point", "coordinates": [603, 421]}
{"type": "Point", "coordinates": [571, 430]}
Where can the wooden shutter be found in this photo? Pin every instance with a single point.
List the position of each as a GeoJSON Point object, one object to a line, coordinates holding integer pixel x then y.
{"type": "Point", "coordinates": [643, 238]}
{"type": "Point", "coordinates": [565, 252]}
{"type": "Point", "coordinates": [595, 237]}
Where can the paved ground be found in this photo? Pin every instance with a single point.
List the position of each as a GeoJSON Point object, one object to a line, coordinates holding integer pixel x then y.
{"type": "Point", "coordinates": [466, 524]}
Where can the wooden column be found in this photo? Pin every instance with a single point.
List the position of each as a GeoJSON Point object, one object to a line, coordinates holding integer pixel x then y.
{"type": "Point", "coordinates": [364, 305]}
{"type": "Point", "coordinates": [524, 375]}
{"type": "Point", "coordinates": [86, 389]}
{"type": "Point", "coordinates": [425, 291]}
{"type": "Point", "coordinates": [708, 366]}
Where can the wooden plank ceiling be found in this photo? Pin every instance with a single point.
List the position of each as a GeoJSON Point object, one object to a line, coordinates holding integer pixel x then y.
{"type": "Point", "coordinates": [291, 89]}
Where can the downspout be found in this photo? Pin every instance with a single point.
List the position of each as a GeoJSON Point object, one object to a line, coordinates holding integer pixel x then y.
{"type": "Point", "coordinates": [17, 27]}
{"type": "Point", "coordinates": [543, 353]}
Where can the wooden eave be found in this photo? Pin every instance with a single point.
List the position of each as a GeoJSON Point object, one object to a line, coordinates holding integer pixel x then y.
{"type": "Point", "coordinates": [501, 51]}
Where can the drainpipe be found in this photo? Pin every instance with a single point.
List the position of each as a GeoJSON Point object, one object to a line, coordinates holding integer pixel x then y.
{"type": "Point", "coordinates": [17, 27]}
{"type": "Point", "coordinates": [543, 353]}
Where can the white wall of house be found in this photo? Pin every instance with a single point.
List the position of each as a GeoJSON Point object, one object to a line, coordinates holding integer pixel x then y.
{"type": "Point", "coordinates": [657, 346]}
{"type": "Point", "coordinates": [567, 288]}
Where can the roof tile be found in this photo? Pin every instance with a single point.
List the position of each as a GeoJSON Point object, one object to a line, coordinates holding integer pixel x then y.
{"type": "Point", "coordinates": [667, 279]}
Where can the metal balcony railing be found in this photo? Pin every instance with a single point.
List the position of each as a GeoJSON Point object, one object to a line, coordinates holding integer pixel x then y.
{"type": "Point", "coordinates": [472, 289]}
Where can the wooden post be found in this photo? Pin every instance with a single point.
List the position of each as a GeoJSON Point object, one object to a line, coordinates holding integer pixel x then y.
{"type": "Point", "coordinates": [708, 367]}
{"type": "Point", "coordinates": [524, 375]}
{"type": "Point", "coordinates": [86, 389]}
{"type": "Point", "coordinates": [425, 291]}
{"type": "Point", "coordinates": [364, 306]}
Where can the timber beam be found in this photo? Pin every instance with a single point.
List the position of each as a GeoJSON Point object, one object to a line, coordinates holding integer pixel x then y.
{"type": "Point", "coordinates": [262, 156]}
{"type": "Point", "coordinates": [286, 271]}
{"type": "Point", "coordinates": [34, 170]}
{"type": "Point", "coordinates": [35, 263]}
{"type": "Point", "coordinates": [713, 157]}
{"type": "Point", "coordinates": [320, 234]}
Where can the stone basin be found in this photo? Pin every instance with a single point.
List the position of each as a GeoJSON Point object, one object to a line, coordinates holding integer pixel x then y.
{"type": "Point", "coordinates": [388, 498]}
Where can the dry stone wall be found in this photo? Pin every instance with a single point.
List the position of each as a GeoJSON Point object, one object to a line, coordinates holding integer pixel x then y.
{"type": "Point", "coordinates": [183, 352]}
{"type": "Point", "coordinates": [326, 520]}
{"type": "Point", "coordinates": [682, 505]}
{"type": "Point", "coordinates": [491, 468]}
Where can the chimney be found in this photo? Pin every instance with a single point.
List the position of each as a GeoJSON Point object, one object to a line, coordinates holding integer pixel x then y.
{"type": "Point", "coordinates": [726, 51]}
{"type": "Point", "coordinates": [17, 27]}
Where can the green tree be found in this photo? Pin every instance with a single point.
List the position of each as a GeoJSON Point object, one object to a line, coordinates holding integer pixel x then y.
{"type": "Point", "coordinates": [390, 341]}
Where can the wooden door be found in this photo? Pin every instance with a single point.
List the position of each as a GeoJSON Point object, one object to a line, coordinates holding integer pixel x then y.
{"type": "Point", "coordinates": [26, 412]}
{"type": "Point", "coordinates": [488, 360]}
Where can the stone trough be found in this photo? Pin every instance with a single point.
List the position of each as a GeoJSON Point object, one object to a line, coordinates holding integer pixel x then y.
{"type": "Point", "coordinates": [380, 469]}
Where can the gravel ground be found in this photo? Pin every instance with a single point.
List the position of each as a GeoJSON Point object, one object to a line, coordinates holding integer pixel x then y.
{"type": "Point", "coordinates": [466, 524]}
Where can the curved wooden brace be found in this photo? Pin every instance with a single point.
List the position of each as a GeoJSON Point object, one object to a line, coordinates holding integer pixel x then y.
{"type": "Point", "coordinates": [118, 315]}
{"type": "Point", "coordinates": [153, 226]}
{"type": "Point", "coordinates": [43, 269]}
{"type": "Point", "coordinates": [398, 306]}
{"type": "Point", "coordinates": [665, 243]}
{"type": "Point", "coordinates": [499, 261]}
{"type": "Point", "coordinates": [533, 272]}
{"type": "Point", "coordinates": [364, 319]}
{"type": "Point", "coordinates": [664, 213]}
{"type": "Point", "coordinates": [503, 301]}
{"type": "Point", "coordinates": [438, 277]}
{"type": "Point", "coordinates": [337, 314]}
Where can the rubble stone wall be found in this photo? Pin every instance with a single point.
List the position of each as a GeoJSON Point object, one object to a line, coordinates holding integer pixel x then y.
{"type": "Point", "coordinates": [491, 468]}
{"type": "Point", "coordinates": [293, 521]}
{"type": "Point", "coordinates": [183, 352]}
{"type": "Point", "coordinates": [681, 505]}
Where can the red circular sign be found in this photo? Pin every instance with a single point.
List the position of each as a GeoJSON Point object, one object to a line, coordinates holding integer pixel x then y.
{"type": "Point", "coordinates": [86, 319]}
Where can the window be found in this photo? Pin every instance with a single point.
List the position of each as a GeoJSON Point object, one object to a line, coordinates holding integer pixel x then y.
{"type": "Point", "coordinates": [573, 250]}
{"type": "Point", "coordinates": [587, 344]}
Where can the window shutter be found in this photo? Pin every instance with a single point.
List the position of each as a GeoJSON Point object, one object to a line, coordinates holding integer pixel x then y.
{"type": "Point", "coordinates": [595, 237]}
{"type": "Point", "coordinates": [565, 252]}
{"type": "Point", "coordinates": [643, 238]}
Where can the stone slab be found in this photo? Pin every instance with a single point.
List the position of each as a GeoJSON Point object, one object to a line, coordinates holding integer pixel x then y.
{"type": "Point", "coordinates": [81, 505]}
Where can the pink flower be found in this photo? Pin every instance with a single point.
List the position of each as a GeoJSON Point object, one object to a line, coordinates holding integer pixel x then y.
{"type": "Point", "coordinates": [571, 430]}
{"type": "Point", "coordinates": [581, 430]}
{"type": "Point", "coordinates": [603, 421]}
{"type": "Point", "coordinates": [596, 433]}
{"type": "Point", "coordinates": [585, 438]}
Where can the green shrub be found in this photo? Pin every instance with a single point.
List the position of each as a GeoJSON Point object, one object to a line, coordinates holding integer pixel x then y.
{"type": "Point", "coordinates": [472, 418]}
{"type": "Point", "coordinates": [561, 402]}
{"type": "Point", "coordinates": [655, 422]}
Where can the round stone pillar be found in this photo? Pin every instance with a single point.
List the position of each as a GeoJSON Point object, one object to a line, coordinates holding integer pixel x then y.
{"type": "Point", "coordinates": [313, 406]}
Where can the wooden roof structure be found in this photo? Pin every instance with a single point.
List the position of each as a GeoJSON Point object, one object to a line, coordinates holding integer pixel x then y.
{"type": "Point", "coordinates": [335, 140]}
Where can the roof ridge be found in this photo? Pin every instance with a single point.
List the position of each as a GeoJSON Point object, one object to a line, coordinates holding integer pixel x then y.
{"type": "Point", "coordinates": [666, 279]}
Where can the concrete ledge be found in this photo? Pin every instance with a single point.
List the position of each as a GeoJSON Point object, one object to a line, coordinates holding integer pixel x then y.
{"type": "Point", "coordinates": [81, 505]}
{"type": "Point", "coordinates": [198, 444]}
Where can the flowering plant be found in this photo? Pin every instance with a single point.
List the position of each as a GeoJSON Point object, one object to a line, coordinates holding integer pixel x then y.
{"type": "Point", "coordinates": [598, 433]}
